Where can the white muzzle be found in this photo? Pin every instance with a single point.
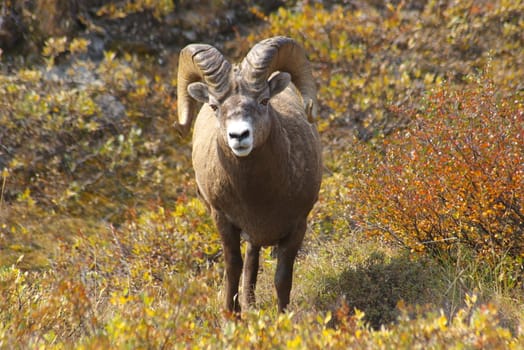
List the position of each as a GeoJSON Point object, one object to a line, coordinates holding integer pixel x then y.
{"type": "Point", "coordinates": [240, 137]}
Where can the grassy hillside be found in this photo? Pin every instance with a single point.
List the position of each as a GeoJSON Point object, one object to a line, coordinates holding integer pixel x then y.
{"type": "Point", "coordinates": [417, 240]}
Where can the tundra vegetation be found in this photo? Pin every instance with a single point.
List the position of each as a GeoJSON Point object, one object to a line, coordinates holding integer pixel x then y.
{"type": "Point", "coordinates": [416, 240]}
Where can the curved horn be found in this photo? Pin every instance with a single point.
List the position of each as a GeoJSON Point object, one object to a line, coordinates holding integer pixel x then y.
{"type": "Point", "coordinates": [198, 62]}
{"type": "Point", "coordinates": [282, 54]}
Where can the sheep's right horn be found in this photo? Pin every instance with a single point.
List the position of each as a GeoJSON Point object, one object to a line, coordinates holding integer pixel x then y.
{"type": "Point", "coordinates": [282, 54]}
{"type": "Point", "coordinates": [198, 62]}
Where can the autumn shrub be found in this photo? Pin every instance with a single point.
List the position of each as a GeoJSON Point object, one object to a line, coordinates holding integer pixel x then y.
{"type": "Point", "coordinates": [94, 130]}
{"type": "Point", "coordinates": [149, 282]}
{"type": "Point", "coordinates": [155, 281]}
{"type": "Point", "coordinates": [454, 177]}
{"type": "Point", "coordinates": [54, 314]}
{"type": "Point", "coordinates": [120, 10]}
{"type": "Point", "coordinates": [370, 59]}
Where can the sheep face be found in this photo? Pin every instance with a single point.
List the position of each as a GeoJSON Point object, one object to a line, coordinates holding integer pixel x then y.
{"type": "Point", "coordinates": [244, 115]}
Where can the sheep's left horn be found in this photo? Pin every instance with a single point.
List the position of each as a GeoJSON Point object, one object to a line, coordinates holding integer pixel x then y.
{"type": "Point", "coordinates": [198, 62]}
{"type": "Point", "coordinates": [286, 55]}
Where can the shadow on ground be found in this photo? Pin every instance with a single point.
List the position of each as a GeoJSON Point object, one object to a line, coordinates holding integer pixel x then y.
{"type": "Point", "coordinates": [378, 284]}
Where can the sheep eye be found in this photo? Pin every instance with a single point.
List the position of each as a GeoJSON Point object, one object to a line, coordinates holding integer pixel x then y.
{"type": "Point", "coordinates": [264, 101]}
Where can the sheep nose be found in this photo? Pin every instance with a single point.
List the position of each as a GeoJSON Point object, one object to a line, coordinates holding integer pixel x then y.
{"type": "Point", "coordinates": [239, 136]}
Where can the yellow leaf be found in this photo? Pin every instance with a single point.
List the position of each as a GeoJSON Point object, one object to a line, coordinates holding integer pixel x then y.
{"type": "Point", "coordinates": [327, 318]}
{"type": "Point", "coordinates": [442, 322]}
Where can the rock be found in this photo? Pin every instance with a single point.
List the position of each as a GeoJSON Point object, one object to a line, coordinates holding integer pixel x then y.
{"type": "Point", "coordinates": [113, 111]}
{"type": "Point", "coordinates": [96, 48]}
{"type": "Point", "coordinates": [10, 30]}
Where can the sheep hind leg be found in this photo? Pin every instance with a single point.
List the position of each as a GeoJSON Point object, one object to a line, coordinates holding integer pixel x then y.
{"type": "Point", "coordinates": [286, 254]}
{"type": "Point", "coordinates": [230, 235]}
{"type": "Point", "coordinates": [251, 264]}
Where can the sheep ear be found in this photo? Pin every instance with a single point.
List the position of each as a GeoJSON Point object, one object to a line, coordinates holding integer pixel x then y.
{"type": "Point", "coordinates": [278, 82]}
{"type": "Point", "coordinates": [198, 91]}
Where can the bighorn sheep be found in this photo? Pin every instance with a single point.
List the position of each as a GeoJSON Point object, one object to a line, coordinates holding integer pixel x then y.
{"type": "Point", "coordinates": [256, 153]}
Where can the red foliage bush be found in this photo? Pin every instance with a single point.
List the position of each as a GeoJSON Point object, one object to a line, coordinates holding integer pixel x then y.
{"type": "Point", "coordinates": [455, 176]}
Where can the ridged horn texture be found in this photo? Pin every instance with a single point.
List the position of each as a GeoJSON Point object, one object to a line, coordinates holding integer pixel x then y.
{"type": "Point", "coordinates": [199, 62]}
{"type": "Point", "coordinates": [286, 55]}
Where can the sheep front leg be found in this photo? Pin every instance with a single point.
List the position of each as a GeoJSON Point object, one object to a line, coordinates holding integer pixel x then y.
{"type": "Point", "coordinates": [286, 254]}
{"type": "Point", "coordinates": [230, 235]}
{"type": "Point", "coordinates": [250, 273]}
